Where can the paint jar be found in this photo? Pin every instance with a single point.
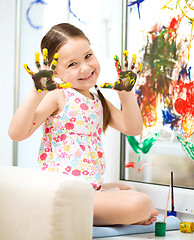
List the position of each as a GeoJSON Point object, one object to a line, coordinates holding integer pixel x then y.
{"type": "Point", "coordinates": [186, 227]}
{"type": "Point", "coordinates": [172, 213]}
{"type": "Point", "coordinates": [160, 229]}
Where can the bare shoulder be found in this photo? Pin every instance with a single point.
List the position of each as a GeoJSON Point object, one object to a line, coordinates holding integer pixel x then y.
{"type": "Point", "coordinates": [54, 96]}
{"type": "Point", "coordinates": [52, 103]}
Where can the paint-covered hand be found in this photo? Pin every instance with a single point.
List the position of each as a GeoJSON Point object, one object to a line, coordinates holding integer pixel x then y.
{"type": "Point", "coordinates": [126, 78]}
{"type": "Point", "coordinates": [43, 79]}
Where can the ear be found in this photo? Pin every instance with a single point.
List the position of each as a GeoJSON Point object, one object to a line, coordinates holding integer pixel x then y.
{"type": "Point", "coordinates": [55, 74]}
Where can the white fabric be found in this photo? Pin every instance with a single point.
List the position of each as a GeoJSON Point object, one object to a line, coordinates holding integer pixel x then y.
{"type": "Point", "coordinates": [37, 205]}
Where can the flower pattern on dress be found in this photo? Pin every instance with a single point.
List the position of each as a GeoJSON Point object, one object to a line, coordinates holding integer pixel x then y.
{"type": "Point", "coordinates": [71, 142]}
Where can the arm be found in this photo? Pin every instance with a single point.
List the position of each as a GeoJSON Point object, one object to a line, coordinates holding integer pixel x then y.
{"type": "Point", "coordinates": [128, 120]}
{"type": "Point", "coordinates": [32, 113]}
{"type": "Point", "coordinates": [39, 104]}
{"type": "Point", "coordinates": [23, 119]}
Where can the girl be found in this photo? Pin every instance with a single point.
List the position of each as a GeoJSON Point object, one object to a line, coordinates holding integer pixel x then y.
{"type": "Point", "coordinates": [74, 119]}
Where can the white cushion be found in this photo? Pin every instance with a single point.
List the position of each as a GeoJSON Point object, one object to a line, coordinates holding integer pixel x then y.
{"type": "Point", "coordinates": [38, 205]}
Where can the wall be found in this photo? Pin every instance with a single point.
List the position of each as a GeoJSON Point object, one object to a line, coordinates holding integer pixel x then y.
{"type": "Point", "coordinates": [7, 50]}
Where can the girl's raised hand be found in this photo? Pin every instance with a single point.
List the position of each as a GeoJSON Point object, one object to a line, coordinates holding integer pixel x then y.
{"type": "Point", "coordinates": [43, 79]}
{"type": "Point", "coordinates": [126, 78]}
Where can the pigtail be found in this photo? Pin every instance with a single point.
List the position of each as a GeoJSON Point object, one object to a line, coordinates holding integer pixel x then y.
{"type": "Point", "coordinates": [106, 111]}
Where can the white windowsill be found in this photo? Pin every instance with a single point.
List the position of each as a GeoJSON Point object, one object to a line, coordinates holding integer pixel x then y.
{"type": "Point", "coordinates": [183, 198]}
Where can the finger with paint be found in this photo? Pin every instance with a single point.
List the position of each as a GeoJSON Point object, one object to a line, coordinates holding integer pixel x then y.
{"type": "Point", "coordinates": [106, 85]}
{"type": "Point", "coordinates": [140, 68]}
{"type": "Point", "coordinates": [37, 60]}
{"type": "Point", "coordinates": [54, 62]}
{"type": "Point", "coordinates": [118, 68]}
{"type": "Point", "coordinates": [28, 70]}
{"type": "Point", "coordinates": [64, 85]}
{"type": "Point", "coordinates": [134, 57]}
{"type": "Point", "coordinates": [117, 64]}
{"type": "Point", "coordinates": [45, 57]}
{"type": "Point", "coordinates": [125, 60]}
{"type": "Point", "coordinates": [117, 85]}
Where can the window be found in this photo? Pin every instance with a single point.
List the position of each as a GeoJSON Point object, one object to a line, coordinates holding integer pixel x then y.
{"type": "Point", "coordinates": [155, 34]}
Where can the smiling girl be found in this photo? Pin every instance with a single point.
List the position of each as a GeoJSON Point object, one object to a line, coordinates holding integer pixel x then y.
{"type": "Point", "coordinates": [74, 119]}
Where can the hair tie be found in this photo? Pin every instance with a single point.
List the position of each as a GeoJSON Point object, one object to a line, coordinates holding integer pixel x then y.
{"type": "Point", "coordinates": [97, 88]}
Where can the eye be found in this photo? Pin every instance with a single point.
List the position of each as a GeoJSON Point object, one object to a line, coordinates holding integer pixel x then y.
{"type": "Point", "coordinates": [88, 56]}
{"type": "Point", "coordinates": [72, 64]}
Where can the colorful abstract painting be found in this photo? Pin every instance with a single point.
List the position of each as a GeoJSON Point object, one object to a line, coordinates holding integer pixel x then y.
{"type": "Point", "coordinates": [161, 34]}
{"type": "Point", "coordinates": [165, 91]}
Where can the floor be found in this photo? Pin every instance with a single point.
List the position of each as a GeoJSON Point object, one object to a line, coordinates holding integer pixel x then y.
{"type": "Point", "coordinates": [170, 235]}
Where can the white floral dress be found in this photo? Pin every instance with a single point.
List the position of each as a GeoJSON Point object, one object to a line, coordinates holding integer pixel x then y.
{"type": "Point", "coordinates": [71, 142]}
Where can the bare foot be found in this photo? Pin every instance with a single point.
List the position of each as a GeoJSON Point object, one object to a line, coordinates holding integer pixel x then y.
{"type": "Point", "coordinates": [151, 219]}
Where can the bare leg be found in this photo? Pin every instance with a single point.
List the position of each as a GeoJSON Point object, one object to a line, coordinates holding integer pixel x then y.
{"type": "Point", "coordinates": [123, 207]}
{"type": "Point", "coordinates": [120, 185]}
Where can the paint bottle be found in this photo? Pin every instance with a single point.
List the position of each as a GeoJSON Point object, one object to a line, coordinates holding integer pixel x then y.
{"type": "Point", "coordinates": [160, 229]}
{"type": "Point", "coordinates": [186, 227]}
{"type": "Point", "coordinates": [171, 213]}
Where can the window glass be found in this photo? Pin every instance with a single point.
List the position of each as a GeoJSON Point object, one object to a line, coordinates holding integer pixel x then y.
{"type": "Point", "coordinates": [160, 33]}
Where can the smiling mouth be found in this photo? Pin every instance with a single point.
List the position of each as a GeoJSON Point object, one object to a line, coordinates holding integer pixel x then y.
{"type": "Point", "coordinates": [88, 77]}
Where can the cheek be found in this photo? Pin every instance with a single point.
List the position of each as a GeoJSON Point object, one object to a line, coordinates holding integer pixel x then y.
{"type": "Point", "coordinates": [59, 71]}
{"type": "Point", "coordinates": [97, 67]}
{"type": "Point", "coordinates": [69, 76]}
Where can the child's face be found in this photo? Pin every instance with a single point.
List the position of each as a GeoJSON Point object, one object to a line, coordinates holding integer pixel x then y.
{"type": "Point", "coordinates": [77, 64]}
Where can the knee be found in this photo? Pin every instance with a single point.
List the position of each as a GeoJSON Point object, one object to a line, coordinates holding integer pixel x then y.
{"type": "Point", "coordinates": [141, 204]}
{"type": "Point", "coordinates": [138, 207]}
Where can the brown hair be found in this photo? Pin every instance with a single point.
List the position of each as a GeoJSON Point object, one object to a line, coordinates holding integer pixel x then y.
{"type": "Point", "coordinates": [55, 39]}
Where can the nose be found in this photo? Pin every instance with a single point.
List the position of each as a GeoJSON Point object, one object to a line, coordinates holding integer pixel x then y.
{"type": "Point", "coordinates": [84, 68]}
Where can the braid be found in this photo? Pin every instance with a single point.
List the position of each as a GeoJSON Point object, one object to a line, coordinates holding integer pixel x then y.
{"type": "Point", "coordinates": [106, 111]}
